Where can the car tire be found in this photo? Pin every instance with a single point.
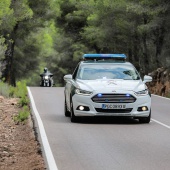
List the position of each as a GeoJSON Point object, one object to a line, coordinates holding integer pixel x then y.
{"type": "Point", "coordinates": [72, 116]}
{"type": "Point", "coordinates": [145, 119]}
{"type": "Point", "coordinates": [67, 113]}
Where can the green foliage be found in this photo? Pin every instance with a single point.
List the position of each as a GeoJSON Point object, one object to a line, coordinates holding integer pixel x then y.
{"type": "Point", "coordinates": [3, 48]}
{"type": "Point", "coordinates": [26, 65]}
{"type": "Point", "coordinates": [55, 34]}
{"type": "Point", "coordinates": [4, 89]}
{"type": "Point", "coordinates": [4, 4]}
{"type": "Point", "coordinates": [44, 38]}
{"type": "Point", "coordinates": [23, 101]}
{"type": "Point", "coordinates": [20, 89]}
{"type": "Point", "coordinates": [7, 19]}
{"type": "Point", "coordinates": [24, 12]}
{"type": "Point", "coordinates": [21, 92]}
{"type": "Point", "coordinates": [22, 115]}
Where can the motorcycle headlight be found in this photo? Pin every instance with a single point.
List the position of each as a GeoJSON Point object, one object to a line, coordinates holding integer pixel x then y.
{"type": "Point", "coordinates": [46, 77]}
{"type": "Point", "coordinates": [83, 92]}
{"type": "Point", "coordinates": [142, 93]}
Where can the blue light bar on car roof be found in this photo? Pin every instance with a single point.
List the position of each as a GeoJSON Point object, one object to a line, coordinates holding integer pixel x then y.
{"type": "Point", "coordinates": [104, 56]}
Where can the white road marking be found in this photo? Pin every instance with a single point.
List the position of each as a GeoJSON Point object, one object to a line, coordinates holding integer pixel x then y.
{"type": "Point", "coordinates": [48, 153]}
{"type": "Point", "coordinates": [161, 123]}
{"type": "Point", "coordinates": [157, 120]}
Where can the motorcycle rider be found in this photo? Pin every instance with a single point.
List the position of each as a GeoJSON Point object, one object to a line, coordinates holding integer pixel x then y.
{"type": "Point", "coordinates": [46, 73]}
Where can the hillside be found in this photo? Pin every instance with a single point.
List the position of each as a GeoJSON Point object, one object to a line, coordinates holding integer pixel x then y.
{"type": "Point", "coordinates": [161, 82]}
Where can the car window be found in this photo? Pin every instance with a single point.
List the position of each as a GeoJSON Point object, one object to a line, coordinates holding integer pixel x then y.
{"type": "Point", "coordinates": [105, 71]}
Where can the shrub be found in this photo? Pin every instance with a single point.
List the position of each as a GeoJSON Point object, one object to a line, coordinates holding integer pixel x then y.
{"type": "Point", "coordinates": [20, 91]}
{"type": "Point", "coordinates": [23, 101]}
{"type": "Point", "coordinates": [4, 89]}
{"type": "Point", "coordinates": [22, 115]}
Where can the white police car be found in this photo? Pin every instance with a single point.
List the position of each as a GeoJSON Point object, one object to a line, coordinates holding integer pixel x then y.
{"type": "Point", "coordinates": [107, 85]}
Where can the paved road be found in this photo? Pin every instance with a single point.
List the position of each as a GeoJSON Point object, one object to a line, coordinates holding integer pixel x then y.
{"type": "Point", "coordinates": [105, 143]}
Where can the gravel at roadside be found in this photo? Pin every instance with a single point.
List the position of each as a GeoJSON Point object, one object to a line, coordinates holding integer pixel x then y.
{"type": "Point", "coordinates": [19, 148]}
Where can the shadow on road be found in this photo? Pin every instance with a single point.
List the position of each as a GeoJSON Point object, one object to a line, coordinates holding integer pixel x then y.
{"type": "Point", "coordinates": [94, 120]}
{"type": "Point", "coordinates": [107, 120]}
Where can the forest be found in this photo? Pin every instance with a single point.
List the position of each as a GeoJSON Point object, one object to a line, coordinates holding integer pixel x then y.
{"type": "Point", "coordinates": [56, 33]}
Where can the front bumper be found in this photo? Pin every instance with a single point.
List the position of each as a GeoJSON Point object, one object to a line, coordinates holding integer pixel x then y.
{"type": "Point", "coordinates": [95, 109]}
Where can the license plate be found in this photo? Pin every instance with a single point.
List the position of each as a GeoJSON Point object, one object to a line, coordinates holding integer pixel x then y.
{"type": "Point", "coordinates": [113, 106]}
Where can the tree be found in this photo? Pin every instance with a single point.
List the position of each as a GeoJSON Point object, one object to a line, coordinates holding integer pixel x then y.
{"type": "Point", "coordinates": [151, 29]}
{"type": "Point", "coordinates": [10, 35]}
{"type": "Point", "coordinates": [58, 35]}
{"type": "Point", "coordinates": [23, 50]}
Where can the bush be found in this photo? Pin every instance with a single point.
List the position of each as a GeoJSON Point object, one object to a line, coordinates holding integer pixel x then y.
{"type": "Point", "coordinates": [23, 101]}
{"type": "Point", "coordinates": [4, 89]}
{"type": "Point", "coordinates": [20, 91]}
{"type": "Point", "coordinates": [23, 115]}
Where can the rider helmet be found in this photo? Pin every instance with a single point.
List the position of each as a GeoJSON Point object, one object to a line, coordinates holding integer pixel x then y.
{"type": "Point", "coordinates": [45, 70]}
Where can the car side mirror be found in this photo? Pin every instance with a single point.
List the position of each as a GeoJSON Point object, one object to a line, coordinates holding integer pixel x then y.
{"type": "Point", "coordinates": [147, 79]}
{"type": "Point", "coordinates": [68, 77]}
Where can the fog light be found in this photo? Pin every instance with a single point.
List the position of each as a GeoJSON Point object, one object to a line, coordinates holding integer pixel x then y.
{"type": "Point", "coordinates": [144, 108]}
{"type": "Point", "coordinates": [81, 107]}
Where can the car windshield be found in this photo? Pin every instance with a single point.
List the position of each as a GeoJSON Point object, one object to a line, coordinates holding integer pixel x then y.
{"type": "Point", "coordinates": [107, 71]}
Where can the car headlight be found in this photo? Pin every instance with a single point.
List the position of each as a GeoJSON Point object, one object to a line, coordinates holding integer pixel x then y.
{"type": "Point", "coordinates": [142, 93]}
{"type": "Point", "coordinates": [83, 92]}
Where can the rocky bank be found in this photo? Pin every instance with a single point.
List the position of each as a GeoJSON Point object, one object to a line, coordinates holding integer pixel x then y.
{"type": "Point", "coordinates": [19, 148]}
{"type": "Point", "coordinates": [161, 82]}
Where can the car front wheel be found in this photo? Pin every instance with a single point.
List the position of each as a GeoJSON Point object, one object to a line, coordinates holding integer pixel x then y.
{"type": "Point", "coordinates": [145, 119]}
{"type": "Point", "coordinates": [67, 113]}
{"type": "Point", "coordinates": [72, 116]}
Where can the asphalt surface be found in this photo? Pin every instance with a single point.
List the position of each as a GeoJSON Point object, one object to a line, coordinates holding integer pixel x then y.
{"type": "Point", "coordinates": [104, 143]}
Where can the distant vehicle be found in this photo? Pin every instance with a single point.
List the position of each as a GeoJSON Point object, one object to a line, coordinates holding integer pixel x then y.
{"type": "Point", "coordinates": [46, 78]}
{"type": "Point", "coordinates": [107, 85]}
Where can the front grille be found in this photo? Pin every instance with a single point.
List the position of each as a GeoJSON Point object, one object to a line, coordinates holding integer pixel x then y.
{"type": "Point", "coordinates": [128, 110]}
{"type": "Point", "coordinates": [113, 98]}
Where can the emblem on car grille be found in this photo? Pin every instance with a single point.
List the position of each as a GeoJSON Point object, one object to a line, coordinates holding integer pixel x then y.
{"type": "Point", "coordinates": [111, 82]}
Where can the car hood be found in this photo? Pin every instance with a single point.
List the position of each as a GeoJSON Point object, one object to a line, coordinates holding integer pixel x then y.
{"type": "Point", "coordinates": [102, 85]}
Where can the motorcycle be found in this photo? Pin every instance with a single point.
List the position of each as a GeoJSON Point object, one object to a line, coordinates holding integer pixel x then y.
{"type": "Point", "coordinates": [46, 80]}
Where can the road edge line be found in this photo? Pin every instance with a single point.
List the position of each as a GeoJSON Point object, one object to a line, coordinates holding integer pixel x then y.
{"type": "Point", "coordinates": [48, 153]}
{"type": "Point", "coordinates": [161, 123]}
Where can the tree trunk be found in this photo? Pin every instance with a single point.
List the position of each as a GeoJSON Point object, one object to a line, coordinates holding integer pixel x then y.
{"type": "Point", "coordinates": [160, 33]}
{"type": "Point", "coordinates": [9, 72]}
{"type": "Point", "coordinates": [145, 56]}
{"type": "Point", "coordinates": [145, 63]}
{"type": "Point", "coordinates": [136, 44]}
